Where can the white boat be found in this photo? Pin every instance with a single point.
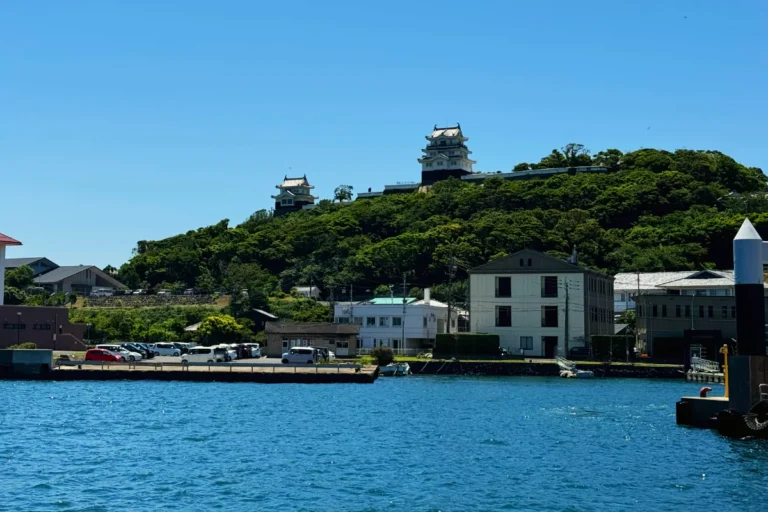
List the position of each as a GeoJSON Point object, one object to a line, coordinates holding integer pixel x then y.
{"type": "Point", "coordinates": [568, 370]}
{"type": "Point", "coordinates": [395, 370]}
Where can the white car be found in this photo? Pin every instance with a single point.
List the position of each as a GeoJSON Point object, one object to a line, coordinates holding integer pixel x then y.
{"type": "Point", "coordinates": [204, 355]}
{"type": "Point", "coordinates": [255, 349]}
{"type": "Point", "coordinates": [117, 349]}
{"type": "Point", "coordinates": [165, 349]}
{"type": "Point", "coordinates": [301, 355]}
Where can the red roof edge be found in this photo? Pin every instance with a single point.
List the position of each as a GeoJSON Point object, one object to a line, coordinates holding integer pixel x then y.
{"type": "Point", "coordinates": [6, 240]}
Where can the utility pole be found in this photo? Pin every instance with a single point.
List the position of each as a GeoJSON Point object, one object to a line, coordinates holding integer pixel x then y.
{"type": "Point", "coordinates": [351, 313]}
{"type": "Point", "coordinates": [450, 293]}
{"type": "Point", "coordinates": [637, 298]}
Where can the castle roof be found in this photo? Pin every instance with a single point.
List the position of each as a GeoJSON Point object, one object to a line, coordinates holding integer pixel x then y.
{"type": "Point", "coordinates": [295, 182]}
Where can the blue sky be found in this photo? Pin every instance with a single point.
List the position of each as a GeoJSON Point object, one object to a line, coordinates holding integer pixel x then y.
{"type": "Point", "coordinates": [126, 121]}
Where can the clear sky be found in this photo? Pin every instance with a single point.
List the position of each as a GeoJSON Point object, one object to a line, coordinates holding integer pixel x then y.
{"type": "Point", "coordinates": [137, 120]}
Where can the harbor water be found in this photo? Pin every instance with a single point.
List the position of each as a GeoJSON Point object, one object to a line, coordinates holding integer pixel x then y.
{"type": "Point", "coordinates": [413, 443]}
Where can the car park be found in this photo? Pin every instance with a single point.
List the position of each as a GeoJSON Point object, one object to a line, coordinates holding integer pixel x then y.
{"type": "Point", "coordinates": [255, 349]}
{"type": "Point", "coordinates": [117, 349]}
{"type": "Point", "coordinates": [183, 347]}
{"type": "Point", "coordinates": [204, 355]}
{"type": "Point", "coordinates": [301, 355]}
{"type": "Point", "coordinates": [165, 349]}
{"type": "Point", "coordinates": [146, 348]}
{"type": "Point", "coordinates": [99, 354]}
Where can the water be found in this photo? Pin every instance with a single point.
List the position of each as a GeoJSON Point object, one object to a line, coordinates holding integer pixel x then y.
{"type": "Point", "coordinates": [417, 443]}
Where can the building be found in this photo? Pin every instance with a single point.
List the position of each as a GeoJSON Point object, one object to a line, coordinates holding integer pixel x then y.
{"type": "Point", "coordinates": [480, 177]}
{"type": "Point", "coordinates": [700, 305]}
{"type": "Point", "coordinates": [4, 242]}
{"type": "Point", "coordinates": [47, 327]}
{"type": "Point", "coordinates": [539, 305]}
{"type": "Point", "coordinates": [446, 155]}
{"type": "Point", "coordinates": [687, 282]}
{"type": "Point", "coordinates": [295, 194]}
{"type": "Point", "coordinates": [310, 292]}
{"type": "Point", "coordinates": [340, 339]}
{"type": "Point", "coordinates": [385, 322]}
{"type": "Point", "coordinates": [80, 279]}
{"type": "Point", "coordinates": [38, 265]}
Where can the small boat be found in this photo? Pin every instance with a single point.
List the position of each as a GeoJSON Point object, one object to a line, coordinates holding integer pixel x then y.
{"type": "Point", "coordinates": [568, 370]}
{"type": "Point", "coordinates": [395, 370]}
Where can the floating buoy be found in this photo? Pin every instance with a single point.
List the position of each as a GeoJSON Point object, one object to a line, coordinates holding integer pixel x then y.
{"type": "Point", "coordinates": [703, 391]}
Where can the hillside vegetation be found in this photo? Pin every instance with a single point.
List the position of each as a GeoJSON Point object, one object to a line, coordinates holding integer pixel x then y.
{"type": "Point", "coordinates": [656, 210]}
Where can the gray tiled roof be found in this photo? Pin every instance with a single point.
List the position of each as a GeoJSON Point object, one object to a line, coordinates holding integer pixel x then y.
{"type": "Point", "coordinates": [627, 281]}
{"type": "Point", "coordinates": [20, 262]}
{"type": "Point", "coordinates": [56, 275]}
{"type": "Point", "coordinates": [311, 328]}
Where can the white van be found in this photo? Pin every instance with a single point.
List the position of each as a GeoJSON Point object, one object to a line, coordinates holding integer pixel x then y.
{"type": "Point", "coordinates": [203, 355]}
{"type": "Point", "coordinates": [301, 355]}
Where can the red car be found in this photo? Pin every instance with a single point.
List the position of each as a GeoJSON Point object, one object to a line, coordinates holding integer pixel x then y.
{"type": "Point", "coordinates": [99, 354]}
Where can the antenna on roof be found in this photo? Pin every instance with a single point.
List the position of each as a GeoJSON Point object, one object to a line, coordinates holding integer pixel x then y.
{"type": "Point", "coordinates": [435, 128]}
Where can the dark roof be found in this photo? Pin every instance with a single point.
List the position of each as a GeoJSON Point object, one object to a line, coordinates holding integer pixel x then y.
{"type": "Point", "coordinates": [541, 263]}
{"type": "Point", "coordinates": [311, 328]}
{"type": "Point", "coordinates": [61, 273]}
{"type": "Point", "coordinates": [20, 262]}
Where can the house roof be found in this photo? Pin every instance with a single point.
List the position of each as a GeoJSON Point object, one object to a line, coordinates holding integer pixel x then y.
{"type": "Point", "coordinates": [264, 313]}
{"type": "Point", "coordinates": [6, 240]}
{"type": "Point", "coordinates": [61, 273]}
{"type": "Point", "coordinates": [295, 182]}
{"type": "Point", "coordinates": [193, 327]}
{"type": "Point", "coordinates": [540, 263]}
{"type": "Point", "coordinates": [20, 262]}
{"type": "Point", "coordinates": [311, 328]}
{"type": "Point", "coordinates": [448, 131]}
{"type": "Point", "coordinates": [432, 302]}
{"type": "Point", "coordinates": [627, 281]}
{"type": "Point", "coordinates": [390, 301]}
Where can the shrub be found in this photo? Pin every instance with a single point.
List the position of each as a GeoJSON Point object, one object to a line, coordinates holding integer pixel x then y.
{"type": "Point", "coordinates": [23, 346]}
{"type": "Point", "coordinates": [383, 355]}
{"type": "Point", "coordinates": [365, 361]}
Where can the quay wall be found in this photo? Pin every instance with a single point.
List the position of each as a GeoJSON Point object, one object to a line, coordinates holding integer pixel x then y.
{"type": "Point", "coordinates": [541, 369]}
{"type": "Point", "coordinates": [186, 376]}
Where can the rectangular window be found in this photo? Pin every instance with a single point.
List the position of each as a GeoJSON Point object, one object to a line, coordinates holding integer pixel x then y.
{"type": "Point", "coordinates": [655, 311]}
{"type": "Point", "coordinates": [678, 311]}
{"type": "Point", "coordinates": [383, 321]}
{"type": "Point", "coordinates": [549, 286]}
{"type": "Point", "coordinates": [687, 311]}
{"type": "Point", "coordinates": [503, 316]}
{"type": "Point", "coordinates": [623, 297]}
{"type": "Point", "coordinates": [725, 311]}
{"type": "Point", "coordinates": [526, 342]}
{"type": "Point", "coordinates": [701, 311]}
{"type": "Point", "coordinates": [370, 321]}
{"type": "Point", "coordinates": [358, 320]}
{"type": "Point", "coordinates": [503, 286]}
{"type": "Point", "coordinates": [397, 321]}
{"type": "Point", "coordinates": [425, 322]}
{"type": "Point", "coordinates": [549, 316]}
{"type": "Point", "coordinates": [640, 311]}
{"type": "Point", "coordinates": [663, 311]}
{"type": "Point", "coordinates": [733, 311]}
{"type": "Point", "coordinates": [710, 311]}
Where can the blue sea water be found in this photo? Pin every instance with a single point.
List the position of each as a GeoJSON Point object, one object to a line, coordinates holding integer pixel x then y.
{"type": "Point", "coordinates": [417, 443]}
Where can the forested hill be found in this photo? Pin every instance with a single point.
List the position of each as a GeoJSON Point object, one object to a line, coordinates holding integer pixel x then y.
{"type": "Point", "coordinates": [655, 210]}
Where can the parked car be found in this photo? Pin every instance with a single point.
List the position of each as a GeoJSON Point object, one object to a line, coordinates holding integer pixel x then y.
{"type": "Point", "coordinates": [164, 292]}
{"type": "Point", "coordinates": [127, 354]}
{"type": "Point", "coordinates": [133, 347]}
{"type": "Point", "coordinates": [165, 349]}
{"type": "Point", "coordinates": [146, 347]}
{"type": "Point", "coordinates": [204, 355]}
{"type": "Point", "coordinates": [183, 348]}
{"type": "Point", "coordinates": [98, 354]}
{"type": "Point", "coordinates": [300, 355]}
{"type": "Point", "coordinates": [255, 349]}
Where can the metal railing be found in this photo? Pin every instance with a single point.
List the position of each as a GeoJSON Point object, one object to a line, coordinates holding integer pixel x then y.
{"type": "Point", "coordinates": [186, 366]}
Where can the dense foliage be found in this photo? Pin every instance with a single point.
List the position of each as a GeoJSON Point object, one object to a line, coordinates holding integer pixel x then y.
{"type": "Point", "coordinates": [655, 210]}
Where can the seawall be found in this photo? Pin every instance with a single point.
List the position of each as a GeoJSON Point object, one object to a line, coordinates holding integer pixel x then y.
{"type": "Point", "coordinates": [541, 369]}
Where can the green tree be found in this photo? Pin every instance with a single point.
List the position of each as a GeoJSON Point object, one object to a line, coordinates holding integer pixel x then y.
{"type": "Point", "coordinates": [382, 291]}
{"type": "Point", "coordinates": [523, 166]}
{"type": "Point", "coordinates": [343, 193]}
{"type": "Point", "coordinates": [20, 277]}
{"type": "Point", "coordinates": [219, 329]}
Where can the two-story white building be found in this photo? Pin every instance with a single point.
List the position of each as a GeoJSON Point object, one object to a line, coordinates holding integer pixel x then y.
{"type": "Point", "coordinates": [386, 322]}
{"type": "Point", "coordinates": [539, 305]}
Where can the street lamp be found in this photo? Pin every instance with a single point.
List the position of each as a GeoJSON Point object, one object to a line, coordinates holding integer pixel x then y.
{"type": "Point", "coordinates": [18, 327]}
